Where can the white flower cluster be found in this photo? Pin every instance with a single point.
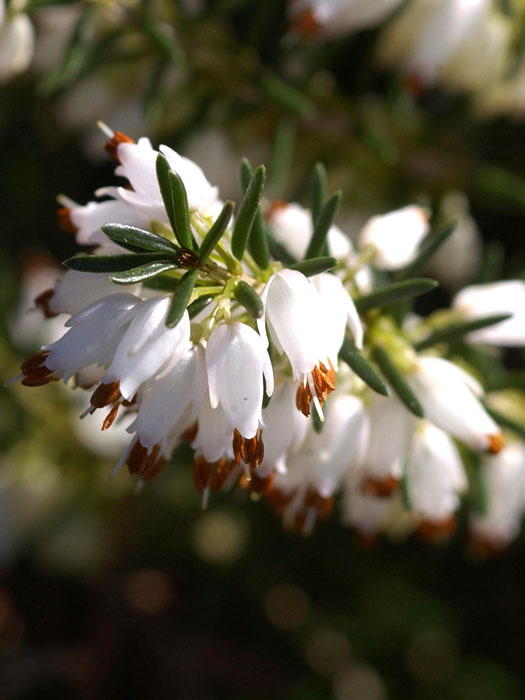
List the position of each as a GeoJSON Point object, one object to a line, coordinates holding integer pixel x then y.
{"type": "Point", "coordinates": [289, 378]}
{"type": "Point", "coordinates": [466, 45]}
{"type": "Point", "coordinates": [16, 41]}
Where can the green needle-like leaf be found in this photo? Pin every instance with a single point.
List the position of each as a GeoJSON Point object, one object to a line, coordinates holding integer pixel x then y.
{"type": "Point", "coordinates": [143, 272]}
{"type": "Point", "coordinates": [198, 305]}
{"type": "Point", "coordinates": [258, 244]}
{"type": "Point", "coordinates": [318, 191]}
{"type": "Point", "coordinates": [247, 212]}
{"type": "Point", "coordinates": [182, 212]}
{"type": "Point", "coordinates": [322, 226]}
{"type": "Point", "coordinates": [175, 201]}
{"type": "Point", "coordinates": [216, 232]}
{"type": "Point", "coordinates": [248, 297]}
{"type": "Point", "coordinates": [458, 330]}
{"type": "Point", "coordinates": [181, 297]}
{"type": "Point", "coordinates": [397, 381]}
{"type": "Point", "coordinates": [134, 237]}
{"type": "Point", "coordinates": [393, 293]}
{"type": "Point", "coordinates": [314, 266]}
{"type": "Point", "coordinates": [362, 367]}
{"type": "Point", "coordinates": [429, 246]}
{"type": "Point", "coordinates": [112, 263]}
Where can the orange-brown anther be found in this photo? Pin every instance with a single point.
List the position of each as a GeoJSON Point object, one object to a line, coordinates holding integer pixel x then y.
{"type": "Point", "coordinates": [262, 485]}
{"type": "Point", "coordinates": [153, 469]}
{"type": "Point", "coordinates": [222, 471]}
{"type": "Point", "coordinates": [42, 302]}
{"type": "Point", "coordinates": [109, 419]}
{"type": "Point", "coordinates": [201, 473]}
{"type": "Point", "coordinates": [322, 504]}
{"type": "Point", "coordinates": [191, 433]}
{"type": "Point", "coordinates": [35, 371]}
{"type": "Point", "coordinates": [277, 500]}
{"type": "Point", "coordinates": [380, 488]}
{"type": "Point", "coordinates": [137, 458]}
{"type": "Point", "coordinates": [250, 450]}
{"type": "Point", "coordinates": [303, 399]}
{"type": "Point", "coordinates": [485, 548]}
{"type": "Point", "coordinates": [64, 220]}
{"type": "Point", "coordinates": [111, 146]}
{"type": "Point", "coordinates": [430, 531]}
{"type": "Point", "coordinates": [306, 24]}
{"type": "Point", "coordinates": [496, 443]}
{"type": "Point", "coordinates": [105, 394]}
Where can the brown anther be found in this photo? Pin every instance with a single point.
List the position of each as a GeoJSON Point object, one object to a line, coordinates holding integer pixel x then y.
{"type": "Point", "coordinates": [110, 418]}
{"type": "Point", "coordinates": [222, 471]}
{"type": "Point", "coordinates": [277, 500]}
{"type": "Point", "coordinates": [275, 205]}
{"type": "Point", "coordinates": [64, 220]}
{"type": "Point", "coordinates": [322, 504]}
{"type": "Point", "coordinates": [131, 402]}
{"type": "Point", "coordinates": [201, 473]}
{"type": "Point", "coordinates": [250, 450]}
{"type": "Point", "coordinates": [42, 302]}
{"type": "Point", "coordinates": [35, 371]}
{"type": "Point", "coordinates": [191, 433]}
{"type": "Point", "coordinates": [137, 458]}
{"type": "Point", "coordinates": [324, 380]}
{"type": "Point", "coordinates": [105, 394]}
{"type": "Point", "coordinates": [262, 485]}
{"type": "Point", "coordinates": [303, 399]}
{"type": "Point", "coordinates": [34, 361]}
{"type": "Point", "coordinates": [151, 458]}
{"type": "Point", "coordinates": [187, 258]}
{"type": "Point", "coordinates": [432, 531]}
{"type": "Point", "coordinates": [297, 525]}
{"type": "Point", "coordinates": [153, 470]}
{"type": "Point", "coordinates": [111, 146]}
{"type": "Point", "coordinates": [496, 443]}
{"type": "Point", "coordinates": [306, 25]}
{"type": "Point", "coordinates": [380, 488]}
{"type": "Point", "coordinates": [485, 547]}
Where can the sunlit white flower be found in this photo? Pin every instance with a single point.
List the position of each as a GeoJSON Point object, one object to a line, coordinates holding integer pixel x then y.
{"type": "Point", "coordinates": [17, 43]}
{"type": "Point", "coordinates": [450, 399]}
{"type": "Point", "coordinates": [76, 290]}
{"type": "Point", "coordinates": [291, 225]}
{"type": "Point", "coordinates": [391, 430]}
{"type": "Point", "coordinates": [285, 429]}
{"type": "Point", "coordinates": [147, 346]}
{"type": "Point", "coordinates": [434, 473]}
{"type": "Point", "coordinates": [214, 435]}
{"type": "Point", "coordinates": [339, 312]}
{"type": "Point", "coordinates": [93, 337]}
{"type": "Point", "coordinates": [336, 17]}
{"type": "Point", "coordinates": [429, 33]}
{"type": "Point", "coordinates": [294, 314]}
{"type": "Point", "coordinates": [315, 473]}
{"type": "Point", "coordinates": [394, 238]}
{"type": "Point", "coordinates": [503, 479]}
{"type": "Point", "coordinates": [482, 300]}
{"type": "Point", "coordinates": [88, 219]}
{"type": "Point", "coordinates": [236, 362]}
{"type": "Point", "coordinates": [138, 166]}
{"type": "Point", "coordinates": [170, 402]}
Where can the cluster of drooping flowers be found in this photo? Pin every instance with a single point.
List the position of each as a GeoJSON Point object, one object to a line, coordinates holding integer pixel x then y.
{"type": "Point", "coordinates": [467, 45]}
{"type": "Point", "coordinates": [284, 354]}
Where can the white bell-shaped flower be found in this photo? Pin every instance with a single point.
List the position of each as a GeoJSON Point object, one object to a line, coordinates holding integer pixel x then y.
{"type": "Point", "coordinates": [482, 300]}
{"type": "Point", "coordinates": [138, 165]}
{"type": "Point", "coordinates": [285, 429]}
{"type": "Point", "coordinates": [449, 397]}
{"type": "Point", "coordinates": [394, 238]}
{"type": "Point", "coordinates": [76, 290]}
{"type": "Point", "coordinates": [93, 337]}
{"type": "Point", "coordinates": [236, 362]}
{"type": "Point", "coordinates": [214, 435]}
{"type": "Point", "coordinates": [383, 462]}
{"type": "Point", "coordinates": [148, 346]}
{"type": "Point", "coordinates": [294, 314]}
{"type": "Point", "coordinates": [434, 473]}
{"type": "Point", "coordinates": [88, 219]}
{"type": "Point", "coordinates": [339, 312]}
{"type": "Point", "coordinates": [503, 479]}
{"type": "Point", "coordinates": [336, 17]}
{"type": "Point", "coordinates": [291, 225]}
{"type": "Point", "coordinates": [170, 403]}
{"type": "Point", "coordinates": [17, 43]}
